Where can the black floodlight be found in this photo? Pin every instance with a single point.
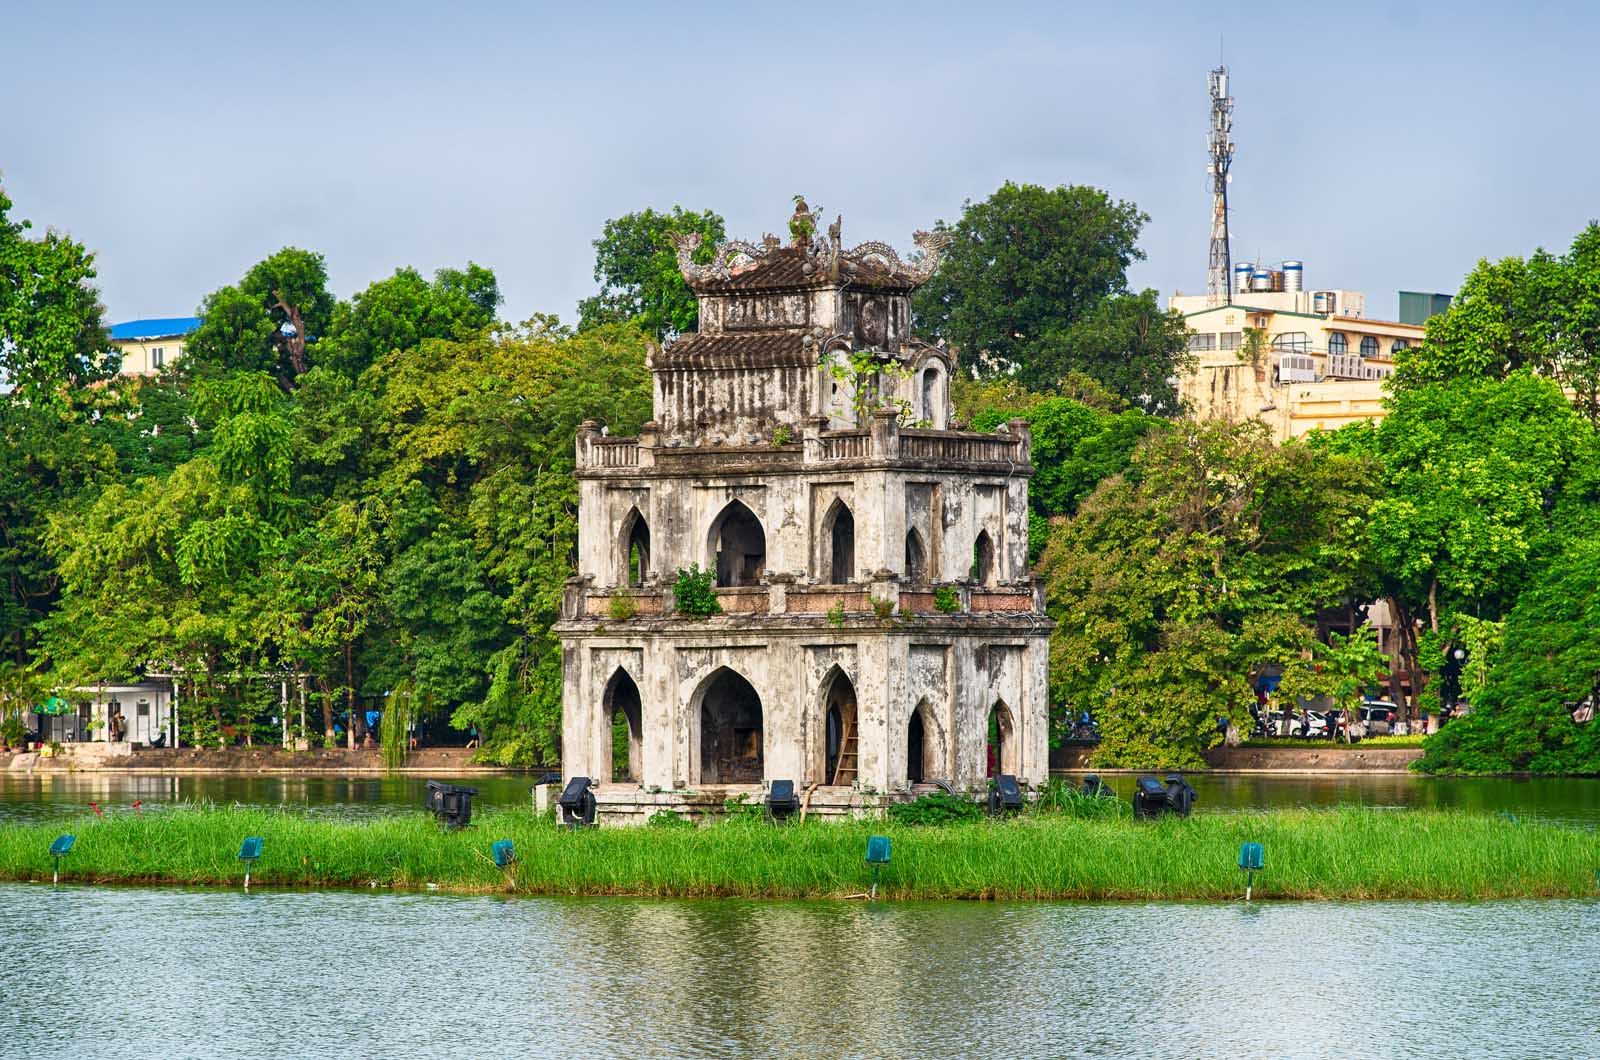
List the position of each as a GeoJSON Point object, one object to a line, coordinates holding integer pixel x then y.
{"type": "Point", "coordinates": [1006, 797]}
{"type": "Point", "coordinates": [1095, 788]}
{"type": "Point", "coordinates": [577, 803]}
{"type": "Point", "coordinates": [451, 803]}
{"type": "Point", "coordinates": [1180, 796]}
{"type": "Point", "coordinates": [1149, 798]}
{"type": "Point", "coordinates": [782, 802]}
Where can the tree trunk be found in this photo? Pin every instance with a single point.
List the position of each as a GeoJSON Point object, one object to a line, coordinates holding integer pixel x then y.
{"type": "Point", "coordinates": [350, 695]}
{"type": "Point", "coordinates": [326, 693]}
{"type": "Point", "coordinates": [1433, 604]}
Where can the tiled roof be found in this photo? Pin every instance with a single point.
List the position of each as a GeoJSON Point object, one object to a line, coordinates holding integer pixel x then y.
{"type": "Point", "coordinates": [788, 267]}
{"type": "Point", "coordinates": [767, 349]}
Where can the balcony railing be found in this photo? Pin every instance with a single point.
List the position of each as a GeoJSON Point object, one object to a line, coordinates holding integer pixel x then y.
{"type": "Point", "coordinates": [786, 598]}
{"type": "Point", "coordinates": [1006, 451]}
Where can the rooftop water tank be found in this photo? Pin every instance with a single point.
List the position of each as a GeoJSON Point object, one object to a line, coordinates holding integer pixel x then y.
{"type": "Point", "coordinates": [1323, 302]}
{"type": "Point", "coordinates": [1241, 276]}
{"type": "Point", "coordinates": [1294, 274]}
{"type": "Point", "coordinates": [1261, 280]}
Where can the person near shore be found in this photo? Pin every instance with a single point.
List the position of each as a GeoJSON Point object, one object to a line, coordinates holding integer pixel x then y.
{"type": "Point", "coordinates": [472, 736]}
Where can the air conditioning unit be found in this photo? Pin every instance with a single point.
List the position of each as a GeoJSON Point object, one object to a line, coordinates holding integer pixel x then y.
{"type": "Point", "coordinates": [1296, 368]}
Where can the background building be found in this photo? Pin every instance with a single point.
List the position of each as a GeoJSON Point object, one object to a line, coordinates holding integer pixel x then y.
{"type": "Point", "coordinates": [148, 346]}
{"type": "Point", "coordinates": [1298, 360]}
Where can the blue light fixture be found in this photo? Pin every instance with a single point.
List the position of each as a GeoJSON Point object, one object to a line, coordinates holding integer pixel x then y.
{"type": "Point", "coordinates": [61, 847]}
{"type": "Point", "coordinates": [1251, 860]}
{"type": "Point", "coordinates": [877, 855]}
{"type": "Point", "coordinates": [503, 853]}
{"type": "Point", "coordinates": [249, 853]}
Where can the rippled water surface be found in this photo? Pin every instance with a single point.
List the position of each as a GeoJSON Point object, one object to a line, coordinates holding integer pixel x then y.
{"type": "Point", "coordinates": [92, 972]}
{"type": "Point", "coordinates": [58, 795]}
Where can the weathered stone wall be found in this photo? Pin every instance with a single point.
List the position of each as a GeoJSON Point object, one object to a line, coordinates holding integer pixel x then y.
{"type": "Point", "coordinates": [947, 509]}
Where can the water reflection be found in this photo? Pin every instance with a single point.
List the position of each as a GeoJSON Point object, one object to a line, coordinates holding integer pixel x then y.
{"type": "Point", "coordinates": [220, 974]}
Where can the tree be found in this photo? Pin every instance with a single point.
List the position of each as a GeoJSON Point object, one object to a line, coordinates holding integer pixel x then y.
{"type": "Point", "coordinates": [404, 310]}
{"type": "Point", "coordinates": [636, 265]}
{"type": "Point", "coordinates": [1342, 670]}
{"type": "Point", "coordinates": [1542, 314]}
{"type": "Point", "coordinates": [1547, 669]}
{"type": "Point", "coordinates": [1179, 581]}
{"type": "Point", "coordinates": [1470, 471]}
{"type": "Point", "coordinates": [1075, 446]}
{"type": "Point", "coordinates": [474, 443]}
{"type": "Point", "coordinates": [1035, 284]}
{"type": "Point", "coordinates": [268, 322]}
{"type": "Point", "coordinates": [51, 332]}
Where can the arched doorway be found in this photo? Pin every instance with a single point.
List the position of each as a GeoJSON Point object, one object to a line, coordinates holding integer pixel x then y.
{"type": "Point", "coordinates": [839, 736]}
{"type": "Point", "coordinates": [730, 731]}
{"type": "Point", "coordinates": [740, 546]}
{"type": "Point", "coordinates": [1001, 754]}
{"type": "Point", "coordinates": [916, 749]}
{"type": "Point", "coordinates": [983, 559]}
{"type": "Point", "coordinates": [916, 558]}
{"type": "Point", "coordinates": [627, 728]}
{"type": "Point", "coordinates": [839, 532]}
{"type": "Point", "coordinates": [635, 540]}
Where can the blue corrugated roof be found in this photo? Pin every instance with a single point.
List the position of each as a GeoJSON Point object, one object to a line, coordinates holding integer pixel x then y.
{"type": "Point", "coordinates": [158, 327]}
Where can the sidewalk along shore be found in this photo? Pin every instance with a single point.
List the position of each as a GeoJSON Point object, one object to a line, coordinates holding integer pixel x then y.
{"type": "Point", "coordinates": [1314, 758]}
{"type": "Point", "coordinates": [104, 758]}
{"type": "Point", "coordinates": [1344, 854]}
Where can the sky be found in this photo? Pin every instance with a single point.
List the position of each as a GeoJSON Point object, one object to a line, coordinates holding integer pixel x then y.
{"type": "Point", "coordinates": [1389, 146]}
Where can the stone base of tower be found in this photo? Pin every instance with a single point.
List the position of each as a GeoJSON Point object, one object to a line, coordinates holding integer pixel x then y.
{"type": "Point", "coordinates": [681, 715]}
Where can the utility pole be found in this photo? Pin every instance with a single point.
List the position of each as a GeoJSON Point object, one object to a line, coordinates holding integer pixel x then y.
{"type": "Point", "coordinates": [1219, 141]}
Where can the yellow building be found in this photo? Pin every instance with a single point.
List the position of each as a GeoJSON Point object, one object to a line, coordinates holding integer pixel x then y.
{"type": "Point", "coordinates": [148, 346]}
{"type": "Point", "coordinates": [1319, 363]}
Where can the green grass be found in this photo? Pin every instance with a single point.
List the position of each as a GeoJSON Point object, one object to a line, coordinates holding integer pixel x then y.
{"type": "Point", "coordinates": [1329, 745]}
{"type": "Point", "coordinates": [1317, 854]}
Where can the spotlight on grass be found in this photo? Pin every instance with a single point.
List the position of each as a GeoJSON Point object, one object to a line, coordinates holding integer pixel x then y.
{"type": "Point", "coordinates": [782, 802]}
{"type": "Point", "coordinates": [59, 849]}
{"type": "Point", "coordinates": [577, 803]}
{"type": "Point", "coordinates": [1095, 788]}
{"type": "Point", "coordinates": [1006, 795]}
{"type": "Point", "coordinates": [249, 853]}
{"type": "Point", "coordinates": [504, 853]}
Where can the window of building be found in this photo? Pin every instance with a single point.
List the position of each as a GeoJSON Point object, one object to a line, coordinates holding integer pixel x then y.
{"type": "Point", "coordinates": [1230, 340]}
{"type": "Point", "coordinates": [1398, 345]}
{"type": "Point", "coordinates": [1207, 341]}
{"type": "Point", "coordinates": [1369, 346]}
{"type": "Point", "coordinates": [1338, 345]}
{"type": "Point", "coordinates": [158, 357]}
{"type": "Point", "coordinates": [1291, 342]}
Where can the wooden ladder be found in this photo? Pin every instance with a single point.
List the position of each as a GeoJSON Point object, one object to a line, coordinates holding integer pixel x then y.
{"type": "Point", "coordinates": [845, 771]}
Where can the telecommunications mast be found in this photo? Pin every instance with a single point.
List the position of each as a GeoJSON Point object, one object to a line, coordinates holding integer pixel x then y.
{"type": "Point", "coordinates": [1220, 143]}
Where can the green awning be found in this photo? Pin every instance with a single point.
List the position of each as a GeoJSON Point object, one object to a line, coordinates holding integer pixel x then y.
{"type": "Point", "coordinates": [54, 705]}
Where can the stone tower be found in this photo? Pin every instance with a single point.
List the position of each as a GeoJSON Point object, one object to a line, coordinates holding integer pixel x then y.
{"type": "Point", "coordinates": [879, 629]}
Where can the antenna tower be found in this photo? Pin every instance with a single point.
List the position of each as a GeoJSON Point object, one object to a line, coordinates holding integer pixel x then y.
{"type": "Point", "coordinates": [1219, 141]}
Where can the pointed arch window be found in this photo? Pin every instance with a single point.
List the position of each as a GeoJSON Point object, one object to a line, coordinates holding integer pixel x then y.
{"type": "Point", "coordinates": [635, 538]}
{"type": "Point", "coordinates": [983, 559]}
{"type": "Point", "coordinates": [739, 546]}
{"type": "Point", "coordinates": [839, 538]}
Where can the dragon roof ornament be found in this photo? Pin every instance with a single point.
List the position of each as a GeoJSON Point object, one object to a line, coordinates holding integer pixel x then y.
{"type": "Point", "coordinates": [825, 256]}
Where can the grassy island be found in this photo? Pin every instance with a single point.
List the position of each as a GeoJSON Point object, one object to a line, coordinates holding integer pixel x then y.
{"type": "Point", "coordinates": [1314, 854]}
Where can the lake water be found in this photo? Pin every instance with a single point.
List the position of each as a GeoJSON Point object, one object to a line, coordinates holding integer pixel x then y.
{"type": "Point", "coordinates": [117, 972]}
{"type": "Point", "coordinates": [61, 795]}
